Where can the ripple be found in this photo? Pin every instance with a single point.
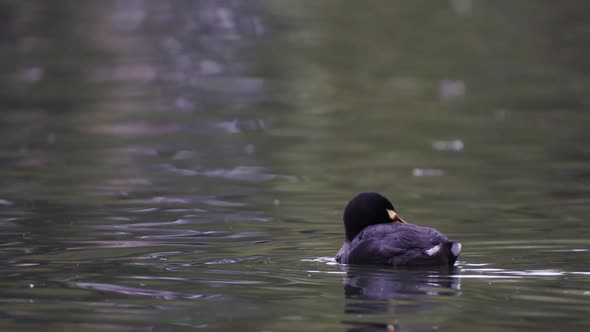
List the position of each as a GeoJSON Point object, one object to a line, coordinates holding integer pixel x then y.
{"type": "Point", "coordinates": [145, 210]}
{"type": "Point", "coordinates": [454, 145]}
{"type": "Point", "coordinates": [134, 291]}
{"type": "Point", "coordinates": [136, 129]}
{"type": "Point", "coordinates": [169, 199]}
{"type": "Point", "coordinates": [236, 126]}
{"type": "Point", "coordinates": [243, 173]}
{"type": "Point", "coordinates": [418, 172]}
{"type": "Point", "coordinates": [5, 202]}
{"type": "Point", "coordinates": [183, 234]}
{"type": "Point", "coordinates": [327, 260]}
{"type": "Point", "coordinates": [225, 261]}
{"type": "Point", "coordinates": [221, 203]}
{"type": "Point", "coordinates": [147, 224]}
{"type": "Point", "coordinates": [117, 244]}
{"type": "Point", "coordinates": [485, 273]}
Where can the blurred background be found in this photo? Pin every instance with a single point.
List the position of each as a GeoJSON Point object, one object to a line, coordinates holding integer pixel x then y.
{"type": "Point", "coordinates": [182, 165]}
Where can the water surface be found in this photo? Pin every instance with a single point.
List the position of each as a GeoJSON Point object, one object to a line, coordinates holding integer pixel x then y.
{"type": "Point", "coordinates": [183, 165]}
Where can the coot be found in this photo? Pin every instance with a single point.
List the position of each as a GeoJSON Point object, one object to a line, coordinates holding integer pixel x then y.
{"type": "Point", "coordinates": [375, 234]}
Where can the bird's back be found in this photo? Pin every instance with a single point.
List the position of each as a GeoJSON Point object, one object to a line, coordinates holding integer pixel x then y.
{"type": "Point", "coordinates": [400, 244]}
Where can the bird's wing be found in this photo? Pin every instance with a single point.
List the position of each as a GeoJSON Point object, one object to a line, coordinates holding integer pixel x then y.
{"type": "Point", "coordinates": [384, 243]}
{"type": "Point", "coordinates": [372, 252]}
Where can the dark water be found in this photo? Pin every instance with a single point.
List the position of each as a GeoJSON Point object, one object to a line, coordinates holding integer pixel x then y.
{"type": "Point", "coordinates": [182, 165]}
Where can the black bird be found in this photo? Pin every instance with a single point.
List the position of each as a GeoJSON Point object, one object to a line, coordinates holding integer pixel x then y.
{"type": "Point", "coordinates": [375, 234]}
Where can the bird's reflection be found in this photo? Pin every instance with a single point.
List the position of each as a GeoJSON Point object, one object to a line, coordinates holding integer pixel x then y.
{"type": "Point", "coordinates": [393, 293]}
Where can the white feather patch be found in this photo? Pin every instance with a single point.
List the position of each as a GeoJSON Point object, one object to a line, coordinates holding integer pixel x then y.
{"type": "Point", "coordinates": [432, 250]}
{"type": "Point", "coordinates": [456, 249]}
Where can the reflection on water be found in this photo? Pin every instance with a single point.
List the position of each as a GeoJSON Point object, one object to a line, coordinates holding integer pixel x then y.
{"type": "Point", "coordinates": [180, 165]}
{"type": "Point", "coordinates": [394, 294]}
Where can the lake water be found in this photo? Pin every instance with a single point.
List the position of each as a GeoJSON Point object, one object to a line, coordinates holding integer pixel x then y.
{"type": "Point", "coordinates": [183, 165]}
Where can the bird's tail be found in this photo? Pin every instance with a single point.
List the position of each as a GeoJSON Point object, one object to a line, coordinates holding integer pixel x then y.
{"type": "Point", "coordinates": [454, 249]}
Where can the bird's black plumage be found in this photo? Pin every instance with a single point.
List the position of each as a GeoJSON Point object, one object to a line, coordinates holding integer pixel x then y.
{"type": "Point", "coordinates": [372, 237]}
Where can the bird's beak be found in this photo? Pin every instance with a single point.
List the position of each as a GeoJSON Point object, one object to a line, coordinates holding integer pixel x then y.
{"type": "Point", "coordinates": [394, 216]}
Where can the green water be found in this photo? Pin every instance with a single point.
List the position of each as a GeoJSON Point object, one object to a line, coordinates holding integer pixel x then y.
{"type": "Point", "coordinates": [183, 165]}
